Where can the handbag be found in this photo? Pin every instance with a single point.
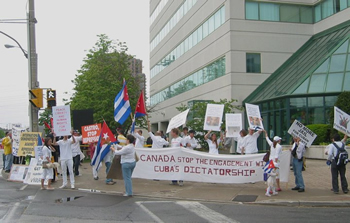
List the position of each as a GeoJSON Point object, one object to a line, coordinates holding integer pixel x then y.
{"type": "Point", "coordinates": [266, 158]}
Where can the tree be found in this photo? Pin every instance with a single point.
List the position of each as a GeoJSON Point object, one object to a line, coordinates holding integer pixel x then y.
{"type": "Point", "coordinates": [2, 133]}
{"type": "Point", "coordinates": [45, 117]}
{"type": "Point", "coordinates": [197, 114]}
{"type": "Point", "coordinates": [100, 79]}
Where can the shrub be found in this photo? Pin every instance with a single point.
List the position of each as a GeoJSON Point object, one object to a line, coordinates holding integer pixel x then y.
{"type": "Point", "coordinates": [323, 132]}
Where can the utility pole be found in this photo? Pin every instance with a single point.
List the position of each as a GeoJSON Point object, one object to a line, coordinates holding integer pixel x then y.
{"type": "Point", "coordinates": [32, 65]}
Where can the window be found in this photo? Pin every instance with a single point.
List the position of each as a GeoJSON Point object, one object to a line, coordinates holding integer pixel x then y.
{"type": "Point", "coordinates": [289, 13]}
{"type": "Point", "coordinates": [346, 83]}
{"type": "Point", "coordinates": [317, 83]}
{"type": "Point", "coordinates": [306, 15]}
{"type": "Point", "coordinates": [334, 82]}
{"type": "Point", "coordinates": [252, 10]}
{"type": "Point", "coordinates": [253, 61]}
{"type": "Point", "coordinates": [327, 8]}
{"type": "Point", "coordinates": [337, 63]}
{"type": "Point", "coordinates": [269, 12]}
{"type": "Point", "coordinates": [318, 16]}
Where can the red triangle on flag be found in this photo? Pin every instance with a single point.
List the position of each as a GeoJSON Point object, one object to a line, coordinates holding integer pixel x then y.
{"type": "Point", "coordinates": [271, 165]}
{"type": "Point", "coordinates": [106, 134]}
{"type": "Point", "coordinates": [140, 107]}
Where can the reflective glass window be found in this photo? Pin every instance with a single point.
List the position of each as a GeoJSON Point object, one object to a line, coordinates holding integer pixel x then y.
{"type": "Point", "coordinates": [315, 101]}
{"type": "Point", "coordinates": [346, 86]}
{"type": "Point", "coordinates": [217, 19]}
{"type": "Point", "coordinates": [253, 63]}
{"type": "Point", "coordinates": [330, 100]}
{"type": "Point", "coordinates": [337, 63]}
{"type": "Point", "coordinates": [315, 116]}
{"type": "Point", "coordinates": [211, 24]}
{"type": "Point", "coordinates": [335, 82]}
{"type": "Point", "coordinates": [306, 14]}
{"type": "Point", "coordinates": [303, 87]}
{"type": "Point", "coordinates": [342, 4]}
{"type": "Point", "coordinates": [289, 13]}
{"type": "Point", "coordinates": [343, 48]}
{"type": "Point", "coordinates": [348, 63]}
{"type": "Point", "coordinates": [297, 102]}
{"type": "Point", "coordinates": [205, 29]}
{"type": "Point", "coordinates": [252, 10]}
{"type": "Point", "coordinates": [200, 33]}
{"type": "Point", "coordinates": [317, 83]}
{"type": "Point", "coordinates": [327, 8]}
{"type": "Point", "coordinates": [269, 12]}
{"type": "Point", "coordinates": [323, 68]}
{"type": "Point", "coordinates": [318, 14]}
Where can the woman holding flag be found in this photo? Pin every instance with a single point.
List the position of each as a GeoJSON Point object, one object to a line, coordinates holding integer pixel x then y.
{"type": "Point", "coordinates": [275, 153]}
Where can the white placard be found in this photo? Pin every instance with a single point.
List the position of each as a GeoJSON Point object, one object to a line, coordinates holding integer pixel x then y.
{"type": "Point", "coordinates": [341, 121]}
{"type": "Point", "coordinates": [61, 120]}
{"type": "Point", "coordinates": [178, 120]}
{"type": "Point", "coordinates": [18, 173]}
{"type": "Point", "coordinates": [233, 125]}
{"type": "Point", "coordinates": [297, 129]}
{"type": "Point", "coordinates": [38, 151]}
{"type": "Point", "coordinates": [254, 116]}
{"type": "Point", "coordinates": [213, 117]}
{"type": "Point", "coordinates": [16, 136]}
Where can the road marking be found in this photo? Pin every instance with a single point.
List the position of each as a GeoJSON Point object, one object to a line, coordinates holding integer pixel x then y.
{"type": "Point", "coordinates": [155, 217]}
{"type": "Point", "coordinates": [24, 187]}
{"type": "Point", "coordinates": [205, 212]}
{"type": "Point", "coordinates": [9, 216]}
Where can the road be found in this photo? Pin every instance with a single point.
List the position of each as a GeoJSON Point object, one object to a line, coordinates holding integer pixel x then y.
{"type": "Point", "coordinates": [21, 203]}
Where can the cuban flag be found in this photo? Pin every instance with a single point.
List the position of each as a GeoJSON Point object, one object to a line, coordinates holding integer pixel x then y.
{"type": "Point", "coordinates": [140, 110]}
{"type": "Point", "coordinates": [104, 143]}
{"type": "Point", "coordinates": [122, 109]}
{"type": "Point", "coordinates": [40, 141]}
{"type": "Point", "coordinates": [269, 166]}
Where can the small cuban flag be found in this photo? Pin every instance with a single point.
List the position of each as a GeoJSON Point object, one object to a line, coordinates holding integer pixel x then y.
{"type": "Point", "coordinates": [269, 166]}
{"type": "Point", "coordinates": [122, 109]}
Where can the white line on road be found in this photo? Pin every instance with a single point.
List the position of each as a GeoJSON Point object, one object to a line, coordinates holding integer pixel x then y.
{"type": "Point", "coordinates": [205, 212]}
{"type": "Point", "coordinates": [24, 187]}
{"type": "Point", "coordinates": [155, 217]}
{"type": "Point", "coordinates": [9, 216]}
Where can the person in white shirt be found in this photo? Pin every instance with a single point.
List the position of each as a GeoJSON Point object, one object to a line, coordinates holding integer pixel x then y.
{"type": "Point", "coordinates": [275, 153]}
{"type": "Point", "coordinates": [66, 159]}
{"type": "Point", "coordinates": [250, 145]}
{"type": "Point", "coordinates": [140, 140]}
{"type": "Point", "coordinates": [184, 132]}
{"type": "Point", "coordinates": [240, 141]}
{"type": "Point", "coordinates": [128, 162]}
{"type": "Point", "coordinates": [76, 152]}
{"type": "Point", "coordinates": [176, 141]}
{"type": "Point", "coordinates": [46, 158]}
{"type": "Point", "coordinates": [337, 168]}
{"type": "Point", "coordinates": [157, 140]}
{"type": "Point", "coordinates": [190, 142]}
{"type": "Point", "coordinates": [298, 150]}
{"type": "Point", "coordinates": [213, 142]}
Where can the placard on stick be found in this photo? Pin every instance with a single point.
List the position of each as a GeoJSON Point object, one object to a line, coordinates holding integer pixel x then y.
{"type": "Point", "coordinates": [213, 117]}
{"type": "Point", "coordinates": [178, 120]}
{"type": "Point", "coordinates": [254, 116]}
{"type": "Point", "coordinates": [61, 120]}
{"type": "Point", "coordinates": [233, 124]}
{"type": "Point", "coordinates": [297, 129]}
{"type": "Point", "coordinates": [341, 121]}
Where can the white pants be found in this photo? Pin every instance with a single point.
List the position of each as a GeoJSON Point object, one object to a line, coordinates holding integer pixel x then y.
{"type": "Point", "coordinates": [47, 174]}
{"type": "Point", "coordinates": [64, 164]}
{"type": "Point", "coordinates": [95, 172]}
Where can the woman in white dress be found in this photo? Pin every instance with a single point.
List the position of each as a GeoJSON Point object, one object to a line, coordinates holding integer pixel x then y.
{"type": "Point", "coordinates": [213, 142]}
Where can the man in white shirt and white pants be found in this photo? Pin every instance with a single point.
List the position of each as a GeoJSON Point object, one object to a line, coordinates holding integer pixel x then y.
{"type": "Point", "coordinates": [250, 144]}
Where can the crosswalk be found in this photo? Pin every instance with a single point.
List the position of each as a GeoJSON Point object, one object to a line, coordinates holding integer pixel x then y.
{"type": "Point", "coordinates": [182, 211]}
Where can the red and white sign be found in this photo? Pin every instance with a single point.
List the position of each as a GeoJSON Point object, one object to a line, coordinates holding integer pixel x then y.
{"type": "Point", "coordinates": [90, 133]}
{"type": "Point", "coordinates": [61, 120]}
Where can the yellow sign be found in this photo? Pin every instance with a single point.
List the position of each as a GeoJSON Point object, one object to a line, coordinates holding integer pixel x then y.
{"type": "Point", "coordinates": [27, 143]}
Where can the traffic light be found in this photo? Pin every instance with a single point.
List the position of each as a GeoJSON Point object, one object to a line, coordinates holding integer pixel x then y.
{"type": "Point", "coordinates": [37, 97]}
{"type": "Point", "coordinates": [51, 98]}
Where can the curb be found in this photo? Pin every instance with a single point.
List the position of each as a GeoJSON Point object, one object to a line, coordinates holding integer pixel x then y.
{"type": "Point", "coordinates": [303, 203]}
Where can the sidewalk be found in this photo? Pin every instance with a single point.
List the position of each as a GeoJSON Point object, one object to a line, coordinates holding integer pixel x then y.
{"type": "Point", "coordinates": [317, 179]}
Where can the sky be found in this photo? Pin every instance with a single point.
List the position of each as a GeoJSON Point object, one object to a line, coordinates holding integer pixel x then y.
{"type": "Point", "coordinates": [66, 29]}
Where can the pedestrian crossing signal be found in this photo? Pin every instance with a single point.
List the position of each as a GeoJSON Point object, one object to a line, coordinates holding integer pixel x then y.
{"type": "Point", "coordinates": [51, 98]}
{"type": "Point", "coordinates": [37, 97]}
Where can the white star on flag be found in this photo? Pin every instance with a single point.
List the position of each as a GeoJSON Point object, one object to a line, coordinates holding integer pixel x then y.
{"type": "Point", "coordinates": [105, 136]}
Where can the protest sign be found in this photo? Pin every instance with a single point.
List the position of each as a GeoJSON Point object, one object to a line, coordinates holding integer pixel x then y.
{"type": "Point", "coordinates": [341, 121]}
{"type": "Point", "coordinates": [33, 176]}
{"type": "Point", "coordinates": [297, 129]}
{"type": "Point", "coordinates": [18, 173]}
{"type": "Point", "coordinates": [233, 125]}
{"type": "Point", "coordinates": [90, 133]}
{"type": "Point", "coordinates": [61, 120]}
{"type": "Point", "coordinates": [38, 151]}
{"type": "Point", "coordinates": [189, 165]}
{"type": "Point", "coordinates": [16, 136]}
{"type": "Point", "coordinates": [28, 141]}
{"type": "Point", "coordinates": [284, 166]}
{"type": "Point", "coordinates": [213, 117]}
{"type": "Point", "coordinates": [254, 116]}
{"type": "Point", "coordinates": [178, 120]}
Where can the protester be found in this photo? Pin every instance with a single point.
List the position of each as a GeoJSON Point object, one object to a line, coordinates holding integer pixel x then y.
{"type": "Point", "coordinates": [55, 154]}
{"type": "Point", "coordinates": [176, 141]}
{"type": "Point", "coordinates": [337, 167]}
{"type": "Point", "coordinates": [157, 140]}
{"type": "Point", "coordinates": [184, 132]}
{"type": "Point", "coordinates": [240, 141]}
{"type": "Point", "coordinates": [250, 145]}
{"type": "Point", "coordinates": [108, 163]}
{"type": "Point", "coordinates": [190, 142]}
{"type": "Point", "coordinates": [213, 142]}
{"type": "Point", "coordinates": [140, 140]}
{"type": "Point", "coordinates": [128, 162]}
{"type": "Point", "coordinates": [272, 180]}
{"type": "Point", "coordinates": [164, 136]}
{"type": "Point", "coordinates": [275, 154]}
{"type": "Point", "coordinates": [298, 150]}
{"type": "Point", "coordinates": [76, 152]}
{"type": "Point", "coordinates": [66, 159]}
{"type": "Point", "coordinates": [46, 158]}
{"type": "Point", "coordinates": [120, 137]}
{"type": "Point", "coordinates": [7, 143]}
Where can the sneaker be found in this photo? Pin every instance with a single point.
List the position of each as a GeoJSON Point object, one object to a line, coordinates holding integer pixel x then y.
{"type": "Point", "coordinates": [63, 186]}
{"type": "Point", "coordinates": [7, 171]}
{"type": "Point", "coordinates": [95, 178]}
{"type": "Point", "coordinates": [295, 188]}
{"type": "Point", "coordinates": [79, 175]}
{"type": "Point", "coordinates": [111, 183]}
{"type": "Point", "coordinates": [301, 190]}
{"type": "Point", "coordinates": [279, 189]}
{"type": "Point", "coordinates": [72, 186]}
{"type": "Point", "coordinates": [274, 193]}
{"type": "Point", "coordinates": [346, 191]}
{"type": "Point", "coordinates": [181, 183]}
{"type": "Point", "coordinates": [336, 192]}
{"type": "Point", "coordinates": [268, 194]}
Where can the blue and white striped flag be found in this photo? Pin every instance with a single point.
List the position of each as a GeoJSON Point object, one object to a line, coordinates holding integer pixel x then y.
{"type": "Point", "coordinates": [122, 109]}
{"type": "Point", "coordinates": [269, 167]}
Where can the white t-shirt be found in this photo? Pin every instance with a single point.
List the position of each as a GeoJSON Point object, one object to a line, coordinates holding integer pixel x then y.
{"type": "Point", "coordinates": [274, 152]}
{"type": "Point", "coordinates": [140, 140]}
{"type": "Point", "coordinates": [157, 141]}
{"type": "Point", "coordinates": [127, 154]}
{"type": "Point", "coordinates": [250, 143]}
{"type": "Point", "coordinates": [176, 142]}
{"type": "Point", "coordinates": [189, 140]}
{"type": "Point", "coordinates": [46, 154]}
{"type": "Point", "coordinates": [65, 149]}
{"type": "Point", "coordinates": [240, 142]}
{"type": "Point", "coordinates": [76, 146]}
{"type": "Point", "coordinates": [213, 149]}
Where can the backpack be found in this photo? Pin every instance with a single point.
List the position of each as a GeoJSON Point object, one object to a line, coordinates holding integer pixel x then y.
{"type": "Point", "coordinates": [266, 157]}
{"type": "Point", "coordinates": [342, 157]}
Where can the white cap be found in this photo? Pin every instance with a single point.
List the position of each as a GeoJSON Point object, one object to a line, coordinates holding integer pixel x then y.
{"type": "Point", "coordinates": [277, 138]}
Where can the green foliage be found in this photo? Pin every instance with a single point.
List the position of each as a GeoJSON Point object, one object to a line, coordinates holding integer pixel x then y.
{"type": "Point", "coordinates": [45, 117]}
{"type": "Point", "coordinates": [2, 133]}
{"type": "Point", "coordinates": [323, 132]}
{"type": "Point", "coordinates": [197, 114]}
{"type": "Point", "coordinates": [343, 103]}
{"type": "Point", "coordinates": [101, 78]}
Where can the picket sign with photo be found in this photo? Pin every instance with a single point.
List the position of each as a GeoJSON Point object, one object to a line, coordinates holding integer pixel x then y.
{"type": "Point", "coordinates": [233, 125]}
{"type": "Point", "coordinates": [213, 117]}
{"type": "Point", "coordinates": [341, 121]}
{"type": "Point", "coordinates": [254, 116]}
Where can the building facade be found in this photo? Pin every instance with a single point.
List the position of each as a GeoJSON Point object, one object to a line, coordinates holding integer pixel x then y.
{"type": "Point", "coordinates": [211, 50]}
{"type": "Point", "coordinates": [135, 66]}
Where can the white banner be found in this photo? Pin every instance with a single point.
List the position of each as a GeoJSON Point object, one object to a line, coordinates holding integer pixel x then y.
{"type": "Point", "coordinates": [16, 136]}
{"type": "Point", "coordinates": [189, 165]}
{"type": "Point", "coordinates": [178, 120]}
{"type": "Point", "coordinates": [61, 120]}
{"type": "Point", "coordinates": [233, 125]}
{"type": "Point", "coordinates": [341, 121]}
{"type": "Point", "coordinates": [33, 176]}
{"type": "Point", "coordinates": [213, 117]}
{"type": "Point", "coordinates": [18, 173]}
{"type": "Point", "coordinates": [284, 166]}
{"type": "Point", "coordinates": [297, 129]}
{"type": "Point", "coordinates": [254, 116]}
